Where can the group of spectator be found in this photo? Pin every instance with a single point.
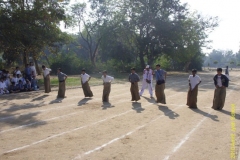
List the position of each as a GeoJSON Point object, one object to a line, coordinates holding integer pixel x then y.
{"type": "Point", "coordinates": [19, 81]}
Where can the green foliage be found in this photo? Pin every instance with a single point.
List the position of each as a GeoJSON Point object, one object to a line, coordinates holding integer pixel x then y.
{"type": "Point", "coordinates": [69, 63]}
{"type": "Point", "coordinates": [165, 62]}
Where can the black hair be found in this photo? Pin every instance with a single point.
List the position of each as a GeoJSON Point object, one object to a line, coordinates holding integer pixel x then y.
{"type": "Point", "coordinates": [60, 69]}
{"type": "Point", "coordinates": [133, 68]}
{"type": "Point", "coordinates": [43, 66]}
{"type": "Point", "coordinates": [194, 70]}
{"type": "Point", "coordinates": [158, 65]}
{"type": "Point", "coordinates": [219, 69]}
{"type": "Point", "coordinates": [104, 71]}
{"type": "Point", "coordinates": [84, 69]}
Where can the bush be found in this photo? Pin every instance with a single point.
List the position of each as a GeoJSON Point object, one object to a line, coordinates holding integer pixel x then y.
{"type": "Point", "coordinates": [70, 63]}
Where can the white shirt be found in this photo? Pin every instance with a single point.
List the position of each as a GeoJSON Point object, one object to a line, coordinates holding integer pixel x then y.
{"type": "Point", "coordinates": [194, 80]}
{"type": "Point", "coordinates": [2, 85]}
{"type": "Point", "coordinates": [33, 70]}
{"type": "Point", "coordinates": [219, 81]}
{"type": "Point", "coordinates": [7, 82]}
{"type": "Point", "coordinates": [147, 74]}
{"type": "Point", "coordinates": [84, 77]}
{"type": "Point", "coordinates": [46, 71]}
{"type": "Point", "coordinates": [107, 78]}
{"type": "Point", "coordinates": [15, 79]}
{"type": "Point", "coordinates": [18, 72]}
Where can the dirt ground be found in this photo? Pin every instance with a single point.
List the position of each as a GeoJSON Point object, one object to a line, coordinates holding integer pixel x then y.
{"type": "Point", "coordinates": [37, 126]}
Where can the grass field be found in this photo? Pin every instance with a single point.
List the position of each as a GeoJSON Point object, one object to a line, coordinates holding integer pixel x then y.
{"type": "Point", "coordinates": [74, 80]}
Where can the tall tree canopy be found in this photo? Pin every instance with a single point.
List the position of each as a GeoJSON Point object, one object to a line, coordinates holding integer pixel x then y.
{"type": "Point", "coordinates": [28, 26]}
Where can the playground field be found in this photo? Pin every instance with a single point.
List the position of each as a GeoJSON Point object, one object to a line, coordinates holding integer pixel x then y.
{"type": "Point", "coordinates": [38, 126]}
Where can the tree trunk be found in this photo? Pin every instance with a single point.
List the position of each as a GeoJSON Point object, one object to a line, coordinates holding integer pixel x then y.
{"type": "Point", "coordinates": [186, 67]}
{"type": "Point", "coordinates": [36, 65]}
{"type": "Point", "coordinates": [25, 57]}
{"type": "Point", "coordinates": [141, 57]}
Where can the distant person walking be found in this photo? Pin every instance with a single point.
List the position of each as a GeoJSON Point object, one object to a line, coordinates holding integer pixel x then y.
{"type": "Point", "coordinates": [62, 86]}
{"type": "Point", "coordinates": [161, 76]}
{"type": "Point", "coordinates": [46, 76]}
{"type": "Point", "coordinates": [194, 81]}
{"type": "Point", "coordinates": [85, 85]}
{"type": "Point", "coordinates": [147, 81]}
{"type": "Point", "coordinates": [227, 72]}
{"type": "Point", "coordinates": [134, 79]}
{"type": "Point", "coordinates": [221, 83]}
{"type": "Point", "coordinates": [106, 86]}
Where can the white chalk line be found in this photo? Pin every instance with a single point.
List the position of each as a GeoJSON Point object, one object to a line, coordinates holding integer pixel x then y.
{"type": "Point", "coordinates": [54, 108]}
{"type": "Point", "coordinates": [127, 134]}
{"type": "Point", "coordinates": [74, 129]}
{"type": "Point", "coordinates": [64, 116]}
{"type": "Point", "coordinates": [58, 107]}
{"type": "Point", "coordinates": [45, 103]}
{"type": "Point", "coordinates": [46, 120]}
{"type": "Point", "coordinates": [187, 136]}
{"type": "Point", "coordinates": [78, 128]}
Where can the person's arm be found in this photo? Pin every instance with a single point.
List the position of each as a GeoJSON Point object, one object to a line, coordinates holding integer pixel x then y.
{"type": "Point", "coordinates": [89, 78]}
{"type": "Point", "coordinates": [200, 81]}
{"type": "Point", "coordinates": [138, 79]}
{"type": "Point", "coordinates": [165, 76]}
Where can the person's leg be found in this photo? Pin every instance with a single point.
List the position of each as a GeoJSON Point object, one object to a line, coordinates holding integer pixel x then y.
{"type": "Point", "coordinates": [144, 86]}
{"type": "Point", "coordinates": [150, 89]}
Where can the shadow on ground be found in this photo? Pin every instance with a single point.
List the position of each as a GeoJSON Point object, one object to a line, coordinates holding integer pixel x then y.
{"type": "Point", "coordinates": [168, 112]}
{"type": "Point", "coordinates": [107, 105]}
{"type": "Point", "coordinates": [137, 107]}
{"type": "Point", "coordinates": [84, 101]}
{"type": "Point", "coordinates": [199, 111]}
{"type": "Point", "coordinates": [28, 120]}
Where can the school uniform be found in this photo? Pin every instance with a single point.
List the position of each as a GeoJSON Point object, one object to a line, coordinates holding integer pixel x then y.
{"type": "Point", "coordinates": [33, 71]}
{"type": "Point", "coordinates": [62, 85]}
{"type": "Point", "coordinates": [160, 86]}
{"type": "Point", "coordinates": [15, 79]}
{"type": "Point", "coordinates": [17, 72]}
{"type": "Point", "coordinates": [85, 85]}
{"type": "Point", "coordinates": [220, 91]}
{"type": "Point", "coordinates": [46, 75]}
{"type": "Point", "coordinates": [193, 91]}
{"type": "Point", "coordinates": [28, 73]}
{"type": "Point", "coordinates": [147, 82]}
{"type": "Point", "coordinates": [134, 79]}
{"type": "Point", "coordinates": [3, 88]}
{"type": "Point", "coordinates": [106, 87]}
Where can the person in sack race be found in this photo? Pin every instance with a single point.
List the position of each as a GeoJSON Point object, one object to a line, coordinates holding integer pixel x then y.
{"type": "Point", "coordinates": [221, 83]}
{"type": "Point", "coordinates": [227, 73]}
{"type": "Point", "coordinates": [147, 81]}
{"type": "Point", "coordinates": [85, 85]}
{"type": "Point", "coordinates": [62, 86]}
{"type": "Point", "coordinates": [134, 79]}
{"type": "Point", "coordinates": [160, 84]}
{"type": "Point", "coordinates": [46, 76]}
{"type": "Point", "coordinates": [194, 80]}
{"type": "Point", "coordinates": [106, 86]}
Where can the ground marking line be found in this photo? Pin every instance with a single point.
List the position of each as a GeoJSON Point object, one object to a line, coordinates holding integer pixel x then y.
{"type": "Point", "coordinates": [43, 121]}
{"type": "Point", "coordinates": [30, 124]}
{"type": "Point", "coordinates": [78, 128]}
{"type": "Point", "coordinates": [48, 102]}
{"type": "Point", "coordinates": [127, 134]}
{"type": "Point", "coordinates": [54, 108]}
{"type": "Point", "coordinates": [9, 117]}
{"type": "Point", "coordinates": [187, 136]}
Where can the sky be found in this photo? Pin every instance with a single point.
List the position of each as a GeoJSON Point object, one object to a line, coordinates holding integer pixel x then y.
{"type": "Point", "coordinates": [227, 35]}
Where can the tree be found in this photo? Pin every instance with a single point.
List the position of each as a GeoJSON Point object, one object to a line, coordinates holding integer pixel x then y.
{"type": "Point", "coordinates": [27, 27]}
